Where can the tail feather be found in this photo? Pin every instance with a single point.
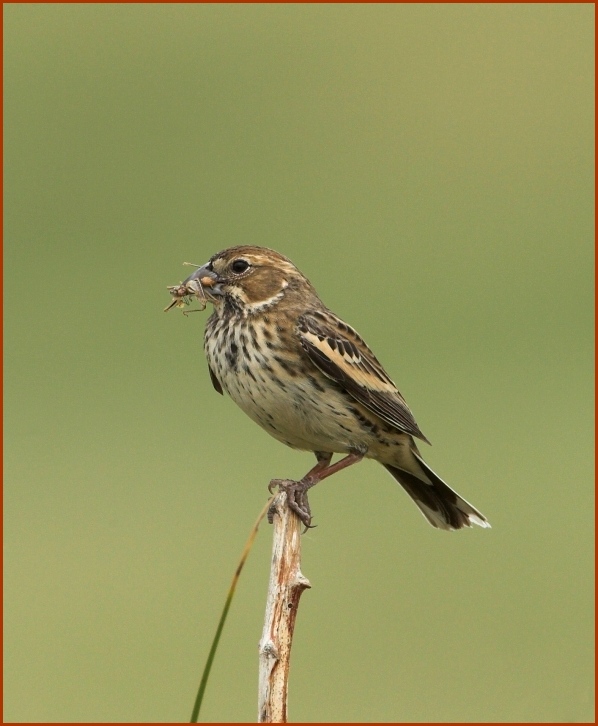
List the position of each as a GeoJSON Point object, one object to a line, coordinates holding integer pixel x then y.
{"type": "Point", "coordinates": [439, 504]}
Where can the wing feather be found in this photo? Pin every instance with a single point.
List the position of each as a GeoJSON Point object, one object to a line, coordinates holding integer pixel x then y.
{"type": "Point", "coordinates": [215, 382]}
{"type": "Point", "coordinates": [342, 355]}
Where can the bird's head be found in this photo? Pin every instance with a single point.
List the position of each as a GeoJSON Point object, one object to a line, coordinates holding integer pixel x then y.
{"type": "Point", "coordinates": [250, 278]}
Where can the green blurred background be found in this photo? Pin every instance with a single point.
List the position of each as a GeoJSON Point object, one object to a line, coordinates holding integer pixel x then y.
{"type": "Point", "coordinates": [430, 168]}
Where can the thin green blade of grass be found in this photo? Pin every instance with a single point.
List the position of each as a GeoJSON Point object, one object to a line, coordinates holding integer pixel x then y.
{"type": "Point", "coordinates": [211, 655]}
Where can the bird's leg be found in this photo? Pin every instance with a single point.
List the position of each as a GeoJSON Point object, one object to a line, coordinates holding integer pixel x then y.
{"type": "Point", "coordinates": [297, 496]}
{"type": "Point", "coordinates": [287, 484]}
{"type": "Point", "coordinates": [324, 459]}
{"type": "Point", "coordinates": [297, 490]}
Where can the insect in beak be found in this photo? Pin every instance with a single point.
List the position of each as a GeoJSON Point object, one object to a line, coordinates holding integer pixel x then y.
{"type": "Point", "coordinates": [191, 288]}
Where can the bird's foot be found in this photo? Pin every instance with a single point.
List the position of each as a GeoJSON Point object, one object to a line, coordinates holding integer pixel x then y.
{"type": "Point", "coordinates": [296, 499]}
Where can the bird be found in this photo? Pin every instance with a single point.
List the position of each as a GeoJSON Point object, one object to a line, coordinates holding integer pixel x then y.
{"type": "Point", "coordinates": [310, 380]}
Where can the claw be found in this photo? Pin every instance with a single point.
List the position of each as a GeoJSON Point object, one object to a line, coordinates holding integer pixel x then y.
{"type": "Point", "coordinates": [271, 513]}
{"type": "Point", "coordinates": [296, 499]}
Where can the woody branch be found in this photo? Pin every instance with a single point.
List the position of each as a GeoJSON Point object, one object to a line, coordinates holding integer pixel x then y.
{"type": "Point", "coordinates": [284, 591]}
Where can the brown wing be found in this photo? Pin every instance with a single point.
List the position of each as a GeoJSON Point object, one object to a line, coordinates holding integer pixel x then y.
{"type": "Point", "coordinates": [215, 382]}
{"type": "Point", "coordinates": [342, 355]}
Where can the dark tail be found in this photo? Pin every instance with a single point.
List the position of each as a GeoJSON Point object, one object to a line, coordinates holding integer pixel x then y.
{"type": "Point", "coordinates": [439, 504]}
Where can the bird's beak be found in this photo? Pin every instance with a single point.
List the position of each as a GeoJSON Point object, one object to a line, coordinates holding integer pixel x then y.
{"type": "Point", "coordinates": [208, 279]}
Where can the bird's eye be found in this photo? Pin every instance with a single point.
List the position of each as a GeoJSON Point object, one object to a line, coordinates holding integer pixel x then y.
{"type": "Point", "coordinates": [239, 266]}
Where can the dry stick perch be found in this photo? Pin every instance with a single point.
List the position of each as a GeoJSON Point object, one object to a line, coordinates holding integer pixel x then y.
{"type": "Point", "coordinates": [284, 590]}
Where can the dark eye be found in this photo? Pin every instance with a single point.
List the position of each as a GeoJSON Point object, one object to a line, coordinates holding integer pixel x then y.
{"type": "Point", "coordinates": [239, 266]}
